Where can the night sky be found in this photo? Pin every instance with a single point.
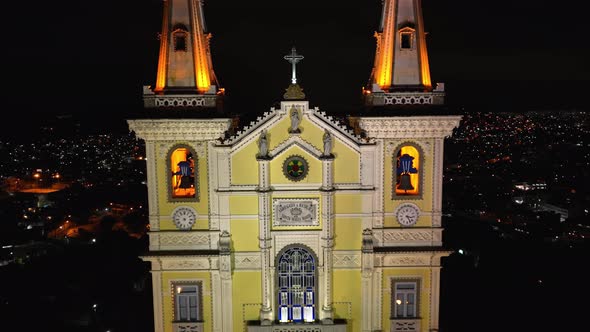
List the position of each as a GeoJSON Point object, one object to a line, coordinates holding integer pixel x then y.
{"type": "Point", "coordinates": [91, 58]}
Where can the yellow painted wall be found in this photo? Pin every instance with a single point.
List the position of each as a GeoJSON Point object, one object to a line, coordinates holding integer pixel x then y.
{"type": "Point", "coordinates": [244, 235]}
{"type": "Point", "coordinates": [166, 207]}
{"type": "Point", "coordinates": [424, 298]}
{"type": "Point", "coordinates": [347, 297]}
{"type": "Point", "coordinates": [244, 205]}
{"type": "Point", "coordinates": [167, 298]}
{"type": "Point", "coordinates": [346, 164]}
{"type": "Point", "coordinates": [347, 203]}
{"type": "Point", "coordinates": [246, 292]}
{"type": "Point", "coordinates": [424, 203]}
{"type": "Point", "coordinates": [244, 168]}
{"type": "Point", "coordinates": [348, 234]}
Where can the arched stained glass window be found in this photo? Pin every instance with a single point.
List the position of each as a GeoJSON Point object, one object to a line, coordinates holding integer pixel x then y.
{"type": "Point", "coordinates": [296, 285]}
{"type": "Point", "coordinates": [407, 161]}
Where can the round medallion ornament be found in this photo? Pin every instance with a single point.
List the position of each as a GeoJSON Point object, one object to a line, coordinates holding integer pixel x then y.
{"type": "Point", "coordinates": [295, 168]}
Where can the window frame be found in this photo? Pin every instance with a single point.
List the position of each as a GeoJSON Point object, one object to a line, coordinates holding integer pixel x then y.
{"type": "Point", "coordinates": [407, 31]}
{"type": "Point", "coordinates": [421, 171]}
{"type": "Point", "coordinates": [306, 294]}
{"type": "Point", "coordinates": [178, 31]}
{"type": "Point", "coordinates": [169, 171]}
{"type": "Point", "coordinates": [394, 295]}
{"type": "Point", "coordinates": [198, 284]}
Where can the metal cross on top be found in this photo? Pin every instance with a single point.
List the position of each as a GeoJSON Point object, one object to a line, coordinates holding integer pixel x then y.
{"type": "Point", "coordinates": [293, 58]}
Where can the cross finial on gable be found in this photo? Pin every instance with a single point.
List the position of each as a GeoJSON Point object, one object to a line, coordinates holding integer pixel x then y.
{"type": "Point", "coordinates": [293, 58]}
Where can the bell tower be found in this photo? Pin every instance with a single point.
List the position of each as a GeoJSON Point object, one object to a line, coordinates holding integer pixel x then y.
{"type": "Point", "coordinates": [185, 75]}
{"type": "Point", "coordinates": [401, 74]}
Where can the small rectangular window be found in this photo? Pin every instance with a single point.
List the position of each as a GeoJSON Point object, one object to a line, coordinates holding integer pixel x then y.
{"type": "Point", "coordinates": [188, 302]}
{"type": "Point", "coordinates": [404, 299]}
{"type": "Point", "coordinates": [180, 42]}
{"type": "Point", "coordinates": [406, 42]}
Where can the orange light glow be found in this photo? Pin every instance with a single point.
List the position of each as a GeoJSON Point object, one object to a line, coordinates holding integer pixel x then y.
{"type": "Point", "coordinates": [414, 177]}
{"type": "Point", "coordinates": [162, 57]}
{"type": "Point", "coordinates": [424, 66]}
{"type": "Point", "coordinates": [180, 189]}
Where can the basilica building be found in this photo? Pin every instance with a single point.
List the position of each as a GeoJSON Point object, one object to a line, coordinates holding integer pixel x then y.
{"type": "Point", "coordinates": [295, 221]}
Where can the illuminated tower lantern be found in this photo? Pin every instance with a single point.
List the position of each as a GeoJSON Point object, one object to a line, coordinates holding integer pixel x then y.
{"type": "Point", "coordinates": [299, 220]}
{"type": "Point", "coordinates": [185, 74]}
{"type": "Point", "coordinates": [401, 74]}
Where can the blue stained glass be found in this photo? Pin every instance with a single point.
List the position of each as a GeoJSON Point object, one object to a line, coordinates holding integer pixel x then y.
{"type": "Point", "coordinates": [296, 281]}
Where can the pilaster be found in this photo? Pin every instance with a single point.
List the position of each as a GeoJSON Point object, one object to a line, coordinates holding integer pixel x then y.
{"type": "Point", "coordinates": [152, 188]}
{"type": "Point", "coordinates": [264, 218]}
{"type": "Point", "coordinates": [367, 267]}
{"type": "Point", "coordinates": [434, 297]}
{"type": "Point", "coordinates": [437, 182]}
{"type": "Point", "coordinates": [225, 273]}
{"type": "Point", "coordinates": [157, 301]}
{"type": "Point", "coordinates": [327, 240]}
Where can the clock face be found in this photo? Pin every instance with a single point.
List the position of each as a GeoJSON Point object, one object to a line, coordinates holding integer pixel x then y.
{"type": "Point", "coordinates": [184, 217]}
{"type": "Point", "coordinates": [407, 214]}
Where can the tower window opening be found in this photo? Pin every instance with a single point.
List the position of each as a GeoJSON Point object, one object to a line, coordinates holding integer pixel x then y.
{"type": "Point", "coordinates": [183, 172]}
{"type": "Point", "coordinates": [406, 40]}
{"type": "Point", "coordinates": [407, 171]}
{"type": "Point", "coordinates": [180, 43]}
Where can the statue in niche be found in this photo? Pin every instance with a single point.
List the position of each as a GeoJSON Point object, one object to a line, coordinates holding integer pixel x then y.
{"type": "Point", "coordinates": [327, 144]}
{"type": "Point", "coordinates": [263, 146]}
{"type": "Point", "coordinates": [295, 121]}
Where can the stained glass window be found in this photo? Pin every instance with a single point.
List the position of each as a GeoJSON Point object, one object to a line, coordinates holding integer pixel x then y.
{"type": "Point", "coordinates": [296, 285]}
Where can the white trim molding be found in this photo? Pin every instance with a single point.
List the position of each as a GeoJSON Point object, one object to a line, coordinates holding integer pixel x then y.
{"type": "Point", "coordinates": [179, 129]}
{"type": "Point", "coordinates": [410, 126]}
{"type": "Point", "coordinates": [410, 237]}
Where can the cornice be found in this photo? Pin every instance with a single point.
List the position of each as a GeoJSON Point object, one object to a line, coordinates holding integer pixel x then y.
{"type": "Point", "coordinates": [179, 129]}
{"type": "Point", "coordinates": [410, 126]}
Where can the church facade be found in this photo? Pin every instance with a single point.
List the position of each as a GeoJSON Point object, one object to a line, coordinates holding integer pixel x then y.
{"type": "Point", "coordinates": [297, 221]}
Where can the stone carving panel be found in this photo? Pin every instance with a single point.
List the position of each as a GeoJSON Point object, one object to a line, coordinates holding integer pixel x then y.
{"type": "Point", "coordinates": [409, 237]}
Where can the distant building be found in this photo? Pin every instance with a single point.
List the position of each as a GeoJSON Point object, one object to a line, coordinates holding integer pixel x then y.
{"type": "Point", "coordinates": [296, 222]}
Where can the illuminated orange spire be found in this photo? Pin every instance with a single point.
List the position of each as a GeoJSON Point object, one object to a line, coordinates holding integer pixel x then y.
{"type": "Point", "coordinates": [184, 62]}
{"type": "Point", "coordinates": [401, 59]}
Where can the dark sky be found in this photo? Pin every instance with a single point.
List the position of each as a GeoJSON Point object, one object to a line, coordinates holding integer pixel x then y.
{"type": "Point", "coordinates": [90, 58]}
